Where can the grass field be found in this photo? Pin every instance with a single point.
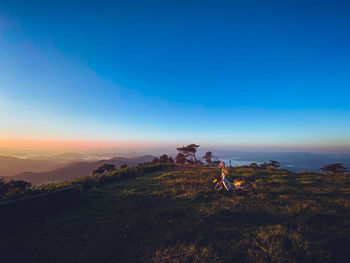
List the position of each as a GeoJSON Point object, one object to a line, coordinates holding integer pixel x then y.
{"type": "Point", "coordinates": [173, 216]}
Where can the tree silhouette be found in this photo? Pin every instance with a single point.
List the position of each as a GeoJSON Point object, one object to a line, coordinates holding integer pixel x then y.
{"type": "Point", "coordinates": [254, 165]}
{"type": "Point", "coordinates": [208, 158]}
{"type": "Point", "coordinates": [189, 152]}
{"type": "Point", "coordinates": [273, 164]}
{"type": "Point", "coordinates": [164, 158]}
{"type": "Point", "coordinates": [180, 158]}
{"type": "Point", "coordinates": [263, 166]}
{"type": "Point", "coordinates": [109, 167]}
{"type": "Point", "coordinates": [98, 171]}
{"type": "Point", "coordinates": [334, 168]}
{"type": "Point", "coordinates": [104, 168]}
{"type": "Point", "coordinates": [215, 161]}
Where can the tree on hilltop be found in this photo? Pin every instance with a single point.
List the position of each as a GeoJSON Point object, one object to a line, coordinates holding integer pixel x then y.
{"type": "Point", "coordinates": [180, 158]}
{"type": "Point", "coordinates": [254, 165]}
{"type": "Point", "coordinates": [263, 165]}
{"type": "Point", "coordinates": [109, 167]}
{"type": "Point", "coordinates": [155, 160]}
{"type": "Point", "coordinates": [273, 164]}
{"type": "Point", "coordinates": [104, 168]}
{"type": "Point", "coordinates": [163, 158]}
{"type": "Point", "coordinates": [189, 152]}
{"type": "Point", "coordinates": [208, 158]}
{"type": "Point", "coordinates": [215, 161]}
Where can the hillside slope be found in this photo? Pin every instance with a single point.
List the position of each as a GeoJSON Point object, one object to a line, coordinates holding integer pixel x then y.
{"type": "Point", "coordinates": [174, 216]}
{"type": "Point", "coordinates": [76, 169]}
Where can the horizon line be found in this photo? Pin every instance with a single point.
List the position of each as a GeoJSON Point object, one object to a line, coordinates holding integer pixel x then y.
{"type": "Point", "coordinates": [35, 144]}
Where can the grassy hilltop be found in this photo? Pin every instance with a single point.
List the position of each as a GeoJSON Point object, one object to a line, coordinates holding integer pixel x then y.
{"type": "Point", "coordinates": [173, 216]}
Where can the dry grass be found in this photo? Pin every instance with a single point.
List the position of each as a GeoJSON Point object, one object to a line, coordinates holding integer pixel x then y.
{"type": "Point", "coordinates": [183, 253]}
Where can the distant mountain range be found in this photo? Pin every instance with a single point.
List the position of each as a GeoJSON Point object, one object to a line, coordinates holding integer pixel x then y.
{"type": "Point", "coordinates": [13, 165]}
{"type": "Point", "coordinates": [74, 169]}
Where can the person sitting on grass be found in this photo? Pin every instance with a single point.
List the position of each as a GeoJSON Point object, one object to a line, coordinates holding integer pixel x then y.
{"type": "Point", "coordinates": [224, 172]}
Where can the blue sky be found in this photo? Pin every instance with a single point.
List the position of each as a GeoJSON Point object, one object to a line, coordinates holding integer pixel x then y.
{"type": "Point", "coordinates": [273, 74]}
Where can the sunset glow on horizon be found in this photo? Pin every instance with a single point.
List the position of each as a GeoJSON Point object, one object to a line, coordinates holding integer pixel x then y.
{"type": "Point", "coordinates": [74, 145]}
{"type": "Point", "coordinates": [60, 145]}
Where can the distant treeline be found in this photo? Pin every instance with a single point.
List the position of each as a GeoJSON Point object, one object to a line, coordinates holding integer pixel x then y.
{"type": "Point", "coordinates": [187, 155]}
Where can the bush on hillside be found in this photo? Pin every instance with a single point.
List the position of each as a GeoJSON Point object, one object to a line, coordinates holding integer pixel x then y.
{"type": "Point", "coordinates": [13, 189]}
{"type": "Point", "coordinates": [104, 168]}
{"type": "Point", "coordinates": [334, 168]}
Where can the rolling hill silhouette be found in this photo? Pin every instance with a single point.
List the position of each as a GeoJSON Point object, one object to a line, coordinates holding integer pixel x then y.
{"type": "Point", "coordinates": [75, 169]}
{"type": "Point", "coordinates": [10, 166]}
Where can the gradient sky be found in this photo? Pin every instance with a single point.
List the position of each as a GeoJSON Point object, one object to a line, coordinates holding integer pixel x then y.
{"type": "Point", "coordinates": [269, 74]}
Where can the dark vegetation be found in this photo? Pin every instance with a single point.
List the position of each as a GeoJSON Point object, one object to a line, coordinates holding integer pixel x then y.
{"type": "Point", "coordinates": [12, 189]}
{"type": "Point", "coordinates": [211, 160]}
{"type": "Point", "coordinates": [208, 157]}
{"type": "Point", "coordinates": [163, 159]}
{"type": "Point", "coordinates": [270, 165]}
{"type": "Point", "coordinates": [106, 168]}
{"type": "Point", "coordinates": [334, 169]}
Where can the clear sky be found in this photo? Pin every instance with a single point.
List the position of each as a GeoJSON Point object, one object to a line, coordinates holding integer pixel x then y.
{"type": "Point", "coordinates": [268, 74]}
